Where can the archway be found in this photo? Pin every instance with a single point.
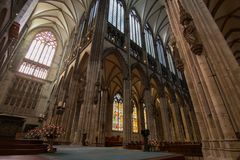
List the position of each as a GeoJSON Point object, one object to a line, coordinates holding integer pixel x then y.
{"type": "Point", "coordinates": [113, 71]}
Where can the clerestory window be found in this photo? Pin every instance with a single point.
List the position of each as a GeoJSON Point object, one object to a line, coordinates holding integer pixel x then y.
{"type": "Point", "coordinates": [116, 14]}
{"type": "Point", "coordinates": [93, 14]}
{"type": "Point", "coordinates": [161, 54]}
{"type": "Point", "coordinates": [149, 41]}
{"type": "Point", "coordinates": [135, 31]}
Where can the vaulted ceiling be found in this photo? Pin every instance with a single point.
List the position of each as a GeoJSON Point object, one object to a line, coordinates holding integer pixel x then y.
{"type": "Point", "coordinates": [227, 15]}
{"type": "Point", "coordinates": [153, 13]}
{"type": "Point", "coordinates": [64, 15]}
{"type": "Point", "coordinates": [61, 15]}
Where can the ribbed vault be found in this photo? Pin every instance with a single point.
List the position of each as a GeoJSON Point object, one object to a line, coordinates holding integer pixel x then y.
{"type": "Point", "coordinates": [152, 12]}
{"type": "Point", "coordinates": [64, 15]}
{"type": "Point", "coordinates": [227, 15]}
{"type": "Point", "coordinates": [61, 15]}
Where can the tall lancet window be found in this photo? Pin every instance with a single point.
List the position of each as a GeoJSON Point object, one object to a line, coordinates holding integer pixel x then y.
{"type": "Point", "coordinates": [135, 31]}
{"type": "Point", "coordinates": [93, 14]}
{"type": "Point", "coordinates": [149, 41]}
{"type": "Point", "coordinates": [170, 62]}
{"type": "Point", "coordinates": [161, 54]}
{"type": "Point", "coordinates": [134, 118]}
{"type": "Point", "coordinates": [117, 121]}
{"type": "Point", "coordinates": [145, 116]}
{"type": "Point", "coordinates": [116, 14]}
{"type": "Point", "coordinates": [40, 55]}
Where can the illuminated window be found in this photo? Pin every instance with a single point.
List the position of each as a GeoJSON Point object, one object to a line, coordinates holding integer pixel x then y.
{"type": "Point", "coordinates": [117, 121]}
{"type": "Point", "coordinates": [161, 54]}
{"type": "Point", "coordinates": [170, 62]}
{"type": "Point", "coordinates": [149, 41]}
{"type": "Point", "coordinates": [135, 31]}
{"type": "Point", "coordinates": [134, 119]}
{"type": "Point", "coordinates": [145, 116]}
{"type": "Point", "coordinates": [179, 75]}
{"type": "Point", "coordinates": [40, 55]}
{"type": "Point", "coordinates": [116, 14]}
{"type": "Point", "coordinates": [93, 13]}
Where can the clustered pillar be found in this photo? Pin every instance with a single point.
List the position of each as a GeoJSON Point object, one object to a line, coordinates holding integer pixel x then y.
{"type": "Point", "coordinates": [212, 74]}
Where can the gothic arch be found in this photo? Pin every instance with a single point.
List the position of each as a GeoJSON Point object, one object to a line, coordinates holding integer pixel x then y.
{"type": "Point", "coordinates": [121, 58]}
{"type": "Point", "coordinates": [139, 80]}
{"type": "Point", "coordinates": [114, 71]}
{"type": "Point", "coordinates": [159, 84]}
{"type": "Point", "coordinates": [169, 91]}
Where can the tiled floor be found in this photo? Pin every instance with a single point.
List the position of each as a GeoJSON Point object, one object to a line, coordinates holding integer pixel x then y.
{"type": "Point", "coordinates": [90, 153]}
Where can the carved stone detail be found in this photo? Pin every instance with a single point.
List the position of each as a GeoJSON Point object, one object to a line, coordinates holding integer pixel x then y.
{"type": "Point", "coordinates": [14, 31]}
{"type": "Point", "coordinates": [178, 61]}
{"type": "Point", "coordinates": [190, 32]}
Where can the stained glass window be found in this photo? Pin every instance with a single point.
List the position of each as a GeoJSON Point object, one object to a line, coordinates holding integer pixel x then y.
{"type": "Point", "coordinates": [40, 55]}
{"type": "Point", "coordinates": [135, 31]}
{"type": "Point", "coordinates": [145, 116]}
{"type": "Point", "coordinates": [134, 119]}
{"type": "Point", "coordinates": [117, 121]}
{"type": "Point", "coordinates": [116, 14]}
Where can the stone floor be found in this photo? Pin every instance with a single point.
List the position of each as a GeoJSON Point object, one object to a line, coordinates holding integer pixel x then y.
{"type": "Point", "coordinates": [91, 153]}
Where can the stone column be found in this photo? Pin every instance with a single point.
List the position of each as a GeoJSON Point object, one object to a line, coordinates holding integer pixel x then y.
{"type": "Point", "coordinates": [186, 124]}
{"type": "Point", "coordinates": [214, 74]}
{"type": "Point", "coordinates": [127, 122]}
{"type": "Point", "coordinates": [102, 117]}
{"type": "Point", "coordinates": [150, 114]}
{"type": "Point", "coordinates": [71, 105]}
{"type": "Point", "coordinates": [165, 119]}
{"type": "Point", "coordinates": [177, 119]}
{"type": "Point", "coordinates": [88, 109]}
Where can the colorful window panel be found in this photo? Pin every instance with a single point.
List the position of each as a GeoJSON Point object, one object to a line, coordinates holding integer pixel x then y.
{"type": "Point", "coordinates": [117, 121]}
{"type": "Point", "coordinates": [145, 116]}
{"type": "Point", "coordinates": [134, 120]}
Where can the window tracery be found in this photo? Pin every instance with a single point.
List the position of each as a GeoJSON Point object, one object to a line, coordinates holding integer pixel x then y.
{"type": "Point", "coordinates": [40, 54]}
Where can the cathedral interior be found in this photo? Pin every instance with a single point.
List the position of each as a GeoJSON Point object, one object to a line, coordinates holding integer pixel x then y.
{"type": "Point", "coordinates": [108, 70]}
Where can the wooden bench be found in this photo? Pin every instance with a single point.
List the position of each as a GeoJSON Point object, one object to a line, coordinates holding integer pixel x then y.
{"type": "Point", "coordinates": [113, 141]}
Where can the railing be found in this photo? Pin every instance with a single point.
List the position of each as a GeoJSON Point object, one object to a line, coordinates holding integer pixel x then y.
{"type": "Point", "coordinates": [115, 36]}
{"type": "Point", "coordinates": [136, 51]}
{"type": "Point", "coordinates": [152, 62]}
